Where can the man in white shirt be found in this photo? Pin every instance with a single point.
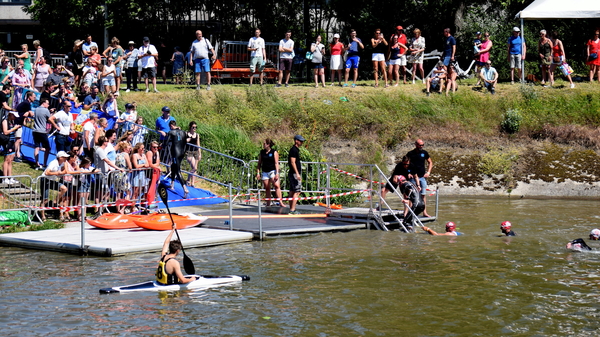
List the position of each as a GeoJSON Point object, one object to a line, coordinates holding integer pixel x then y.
{"type": "Point", "coordinates": [286, 56]}
{"type": "Point", "coordinates": [148, 55]}
{"type": "Point", "coordinates": [199, 58]}
{"type": "Point", "coordinates": [130, 115]}
{"type": "Point", "coordinates": [89, 130]}
{"type": "Point", "coordinates": [256, 45]}
{"type": "Point", "coordinates": [489, 76]}
{"type": "Point", "coordinates": [63, 119]}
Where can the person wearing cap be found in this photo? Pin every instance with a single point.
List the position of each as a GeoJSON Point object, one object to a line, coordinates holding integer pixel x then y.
{"type": "Point", "coordinates": [51, 180]}
{"type": "Point", "coordinates": [258, 54]}
{"type": "Point", "coordinates": [176, 141]}
{"type": "Point", "coordinates": [199, 58]}
{"type": "Point", "coordinates": [127, 118]}
{"type": "Point", "coordinates": [353, 48]}
{"type": "Point", "coordinates": [162, 122]}
{"type": "Point", "coordinates": [131, 67]}
{"type": "Point", "coordinates": [450, 230]}
{"type": "Point", "coordinates": [505, 227]}
{"type": "Point", "coordinates": [9, 128]}
{"type": "Point", "coordinates": [403, 43]}
{"type": "Point", "coordinates": [147, 55]}
{"type": "Point", "coordinates": [295, 173]}
{"type": "Point", "coordinates": [336, 64]}
{"type": "Point", "coordinates": [517, 49]}
{"type": "Point", "coordinates": [449, 47]}
{"type": "Point", "coordinates": [489, 77]}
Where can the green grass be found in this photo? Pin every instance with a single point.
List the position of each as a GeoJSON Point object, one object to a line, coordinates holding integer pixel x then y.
{"type": "Point", "coordinates": [49, 224]}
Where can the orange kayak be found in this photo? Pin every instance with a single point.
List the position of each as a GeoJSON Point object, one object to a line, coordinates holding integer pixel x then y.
{"type": "Point", "coordinates": [162, 222]}
{"type": "Point", "coordinates": [332, 206]}
{"type": "Point", "coordinates": [115, 221]}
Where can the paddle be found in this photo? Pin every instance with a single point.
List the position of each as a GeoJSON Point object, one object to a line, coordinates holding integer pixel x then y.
{"type": "Point", "coordinates": [188, 265]}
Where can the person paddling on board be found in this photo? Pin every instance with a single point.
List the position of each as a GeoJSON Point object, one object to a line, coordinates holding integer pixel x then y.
{"type": "Point", "coordinates": [169, 270]}
{"type": "Point", "coordinates": [579, 245]}
{"type": "Point", "coordinates": [505, 228]}
{"type": "Point", "coordinates": [450, 230]}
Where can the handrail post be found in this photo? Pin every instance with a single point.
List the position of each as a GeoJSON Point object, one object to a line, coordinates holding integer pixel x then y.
{"type": "Point", "coordinates": [260, 231]}
{"type": "Point", "coordinates": [437, 198]}
{"type": "Point", "coordinates": [230, 209]}
{"type": "Point", "coordinates": [328, 188]}
{"type": "Point", "coordinates": [82, 224]}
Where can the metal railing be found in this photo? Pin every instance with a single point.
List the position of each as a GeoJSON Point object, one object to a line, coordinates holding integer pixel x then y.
{"type": "Point", "coordinates": [235, 54]}
{"type": "Point", "coordinates": [56, 58]}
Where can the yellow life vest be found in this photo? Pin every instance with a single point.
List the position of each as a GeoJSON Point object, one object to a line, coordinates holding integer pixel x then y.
{"type": "Point", "coordinates": [161, 273]}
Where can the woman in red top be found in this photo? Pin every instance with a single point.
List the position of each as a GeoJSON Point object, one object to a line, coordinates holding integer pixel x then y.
{"type": "Point", "coordinates": [558, 58]}
{"type": "Point", "coordinates": [336, 59]}
{"type": "Point", "coordinates": [593, 48]}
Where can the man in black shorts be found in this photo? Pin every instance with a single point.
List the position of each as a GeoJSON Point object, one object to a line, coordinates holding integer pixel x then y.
{"type": "Point", "coordinates": [418, 157]}
{"type": "Point", "coordinates": [40, 135]}
{"type": "Point", "coordinates": [295, 173]}
{"type": "Point", "coordinates": [286, 58]}
{"type": "Point", "coordinates": [176, 142]}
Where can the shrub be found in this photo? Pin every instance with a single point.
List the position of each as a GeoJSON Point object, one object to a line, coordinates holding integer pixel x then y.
{"type": "Point", "coordinates": [511, 121]}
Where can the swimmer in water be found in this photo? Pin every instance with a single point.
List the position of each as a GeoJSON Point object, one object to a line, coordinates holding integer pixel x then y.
{"type": "Point", "coordinates": [505, 228]}
{"type": "Point", "coordinates": [579, 245]}
{"type": "Point", "coordinates": [450, 230]}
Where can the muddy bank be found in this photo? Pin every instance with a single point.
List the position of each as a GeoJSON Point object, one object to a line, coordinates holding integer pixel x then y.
{"type": "Point", "coordinates": [499, 168]}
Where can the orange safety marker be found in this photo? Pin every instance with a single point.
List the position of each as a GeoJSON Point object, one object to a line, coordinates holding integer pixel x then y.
{"type": "Point", "coordinates": [217, 65]}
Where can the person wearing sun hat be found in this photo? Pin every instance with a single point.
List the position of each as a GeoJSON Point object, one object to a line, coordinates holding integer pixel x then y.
{"type": "Point", "coordinates": [295, 173]}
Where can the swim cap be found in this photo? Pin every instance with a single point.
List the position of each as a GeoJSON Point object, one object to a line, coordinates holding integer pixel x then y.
{"type": "Point", "coordinates": [506, 225]}
{"type": "Point", "coordinates": [450, 225]}
{"type": "Point", "coordinates": [401, 178]}
{"type": "Point", "coordinates": [595, 234]}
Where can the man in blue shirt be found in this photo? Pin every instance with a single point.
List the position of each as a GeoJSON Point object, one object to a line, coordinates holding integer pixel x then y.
{"type": "Point", "coordinates": [449, 47]}
{"type": "Point", "coordinates": [92, 100]}
{"type": "Point", "coordinates": [516, 53]}
{"type": "Point", "coordinates": [353, 57]}
{"type": "Point", "coordinates": [162, 122]}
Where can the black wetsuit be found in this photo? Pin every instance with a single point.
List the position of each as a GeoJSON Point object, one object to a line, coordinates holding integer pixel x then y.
{"type": "Point", "coordinates": [411, 192]}
{"type": "Point", "coordinates": [510, 233]}
{"type": "Point", "coordinates": [579, 243]}
{"type": "Point", "coordinates": [176, 142]}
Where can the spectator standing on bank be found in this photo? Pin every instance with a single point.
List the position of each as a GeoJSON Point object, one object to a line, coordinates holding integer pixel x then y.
{"type": "Point", "coordinates": [336, 63]}
{"type": "Point", "coordinates": [193, 153]}
{"type": "Point", "coordinates": [9, 128]}
{"type": "Point", "coordinates": [63, 119]}
{"type": "Point", "coordinates": [286, 57]}
{"type": "Point", "coordinates": [131, 71]}
{"type": "Point", "coordinates": [200, 58]}
{"type": "Point", "coordinates": [25, 113]}
{"type": "Point", "coordinates": [258, 55]}
{"type": "Point", "coordinates": [20, 80]}
{"type": "Point", "coordinates": [295, 173]}
{"type": "Point", "coordinates": [78, 60]}
{"type": "Point", "coordinates": [40, 134]}
{"type": "Point", "coordinates": [5, 68]}
{"type": "Point", "coordinates": [147, 54]}
{"type": "Point", "coordinates": [178, 60]}
{"type": "Point", "coordinates": [558, 58]}
{"type": "Point", "coordinates": [87, 46]}
{"type": "Point", "coordinates": [162, 122]}
{"type": "Point", "coordinates": [484, 52]}
{"type": "Point", "coordinates": [403, 43]}
{"type": "Point", "coordinates": [417, 52]}
{"type": "Point", "coordinates": [116, 52]}
{"type": "Point", "coordinates": [380, 48]}
{"type": "Point", "coordinates": [394, 61]}
{"type": "Point", "coordinates": [449, 47]}
{"type": "Point", "coordinates": [545, 54]}
{"type": "Point", "coordinates": [318, 50]}
{"type": "Point", "coordinates": [353, 58]}
{"type": "Point", "coordinates": [593, 55]}
{"type": "Point", "coordinates": [4, 99]}
{"type": "Point", "coordinates": [139, 131]}
{"type": "Point", "coordinates": [109, 75]}
{"type": "Point", "coordinates": [421, 164]}
{"type": "Point", "coordinates": [41, 74]}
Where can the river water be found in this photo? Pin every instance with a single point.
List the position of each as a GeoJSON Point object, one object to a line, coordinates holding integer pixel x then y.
{"type": "Point", "coordinates": [360, 283]}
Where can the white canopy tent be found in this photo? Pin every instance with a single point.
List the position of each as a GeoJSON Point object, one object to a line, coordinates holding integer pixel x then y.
{"type": "Point", "coordinates": [558, 9]}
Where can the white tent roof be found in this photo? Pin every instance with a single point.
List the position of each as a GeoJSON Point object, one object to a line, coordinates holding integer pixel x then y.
{"type": "Point", "coordinates": [561, 9]}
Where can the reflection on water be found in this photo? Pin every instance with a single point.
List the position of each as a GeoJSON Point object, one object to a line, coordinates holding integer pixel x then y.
{"type": "Point", "coordinates": [368, 283]}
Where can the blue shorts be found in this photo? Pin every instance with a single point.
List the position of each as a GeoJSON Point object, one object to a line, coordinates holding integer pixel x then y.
{"type": "Point", "coordinates": [201, 65]}
{"type": "Point", "coordinates": [108, 81]}
{"type": "Point", "coordinates": [352, 62]}
{"type": "Point", "coordinates": [317, 65]}
{"type": "Point", "coordinates": [423, 184]}
{"type": "Point", "coordinates": [118, 71]}
{"type": "Point", "coordinates": [447, 60]}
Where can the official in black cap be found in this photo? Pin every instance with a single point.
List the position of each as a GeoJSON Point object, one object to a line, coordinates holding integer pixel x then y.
{"type": "Point", "coordinates": [295, 173]}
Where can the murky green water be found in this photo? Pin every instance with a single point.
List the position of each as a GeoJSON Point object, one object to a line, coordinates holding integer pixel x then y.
{"type": "Point", "coordinates": [361, 283]}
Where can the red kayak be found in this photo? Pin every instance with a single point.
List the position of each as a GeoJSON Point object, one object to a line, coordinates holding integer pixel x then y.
{"type": "Point", "coordinates": [115, 221]}
{"type": "Point", "coordinates": [162, 222]}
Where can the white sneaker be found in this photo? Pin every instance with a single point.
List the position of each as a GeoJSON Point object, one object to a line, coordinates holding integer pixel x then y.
{"type": "Point", "coordinates": [572, 85]}
{"type": "Point", "coordinates": [156, 91]}
{"type": "Point", "coordinates": [147, 89]}
{"type": "Point", "coordinates": [127, 90]}
{"type": "Point", "coordinates": [13, 181]}
{"type": "Point", "coordinates": [208, 87]}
